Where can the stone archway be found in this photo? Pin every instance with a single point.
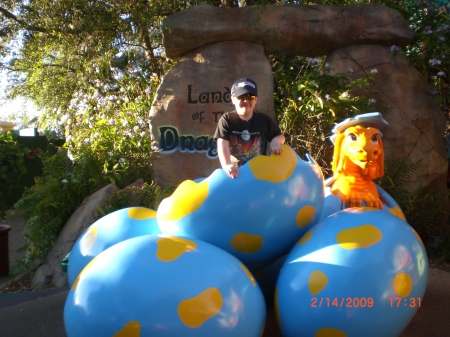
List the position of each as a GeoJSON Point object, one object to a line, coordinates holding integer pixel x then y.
{"type": "Point", "coordinates": [215, 45]}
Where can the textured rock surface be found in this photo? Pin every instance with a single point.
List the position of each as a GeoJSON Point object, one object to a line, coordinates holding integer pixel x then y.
{"type": "Point", "coordinates": [308, 30]}
{"type": "Point", "coordinates": [416, 122]}
{"type": "Point", "coordinates": [191, 99]}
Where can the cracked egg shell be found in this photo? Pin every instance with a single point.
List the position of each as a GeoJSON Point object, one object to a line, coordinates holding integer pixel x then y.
{"type": "Point", "coordinates": [257, 216]}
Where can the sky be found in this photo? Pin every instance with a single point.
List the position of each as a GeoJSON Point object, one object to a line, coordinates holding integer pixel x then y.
{"type": "Point", "coordinates": [16, 107]}
{"type": "Point", "coordinates": [13, 107]}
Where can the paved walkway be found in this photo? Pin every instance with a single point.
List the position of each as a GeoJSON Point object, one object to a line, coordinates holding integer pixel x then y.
{"type": "Point", "coordinates": [40, 313]}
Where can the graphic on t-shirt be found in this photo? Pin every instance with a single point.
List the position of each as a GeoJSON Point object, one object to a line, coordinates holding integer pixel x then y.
{"type": "Point", "coordinates": [245, 135]}
{"type": "Point", "coordinates": [243, 146]}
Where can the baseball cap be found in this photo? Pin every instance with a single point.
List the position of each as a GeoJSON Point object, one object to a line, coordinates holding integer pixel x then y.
{"type": "Point", "coordinates": [244, 86]}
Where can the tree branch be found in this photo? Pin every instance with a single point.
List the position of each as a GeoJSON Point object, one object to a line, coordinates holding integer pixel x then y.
{"type": "Point", "coordinates": [23, 23]}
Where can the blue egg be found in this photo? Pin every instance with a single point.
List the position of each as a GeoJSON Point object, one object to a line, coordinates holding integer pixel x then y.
{"type": "Point", "coordinates": [109, 230]}
{"type": "Point", "coordinates": [333, 204]}
{"type": "Point", "coordinates": [257, 216]}
{"type": "Point", "coordinates": [359, 272]}
{"type": "Point", "coordinates": [157, 285]}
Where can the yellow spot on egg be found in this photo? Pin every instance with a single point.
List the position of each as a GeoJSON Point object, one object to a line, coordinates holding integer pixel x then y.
{"type": "Point", "coordinates": [274, 168]}
{"type": "Point", "coordinates": [186, 199]}
{"type": "Point", "coordinates": [305, 238]}
{"type": "Point", "coordinates": [249, 275]}
{"type": "Point", "coordinates": [305, 216]}
{"type": "Point", "coordinates": [80, 275]}
{"type": "Point", "coordinates": [330, 332]}
{"type": "Point", "coordinates": [402, 284]}
{"type": "Point", "coordinates": [363, 236]}
{"type": "Point", "coordinates": [141, 213]}
{"type": "Point", "coordinates": [131, 329]}
{"type": "Point", "coordinates": [397, 212]}
{"type": "Point", "coordinates": [75, 283]}
{"type": "Point", "coordinates": [88, 240]}
{"type": "Point", "coordinates": [171, 248]}
{"type": "Point", "coordinates": [194, 311]}
{"type": "Point", "coordinates": [317, 281]}
{"type": "Point", "coordinates": [247, 243]}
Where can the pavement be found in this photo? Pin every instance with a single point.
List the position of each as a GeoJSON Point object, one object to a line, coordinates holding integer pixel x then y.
{"type": "Point", "coordinates": [40, 313]}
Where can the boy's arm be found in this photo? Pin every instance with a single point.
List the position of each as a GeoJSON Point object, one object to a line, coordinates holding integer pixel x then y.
{"type": "Point", "coordinates": [275, 144]}
{"type": "Point", "coordinates": [223, 150]}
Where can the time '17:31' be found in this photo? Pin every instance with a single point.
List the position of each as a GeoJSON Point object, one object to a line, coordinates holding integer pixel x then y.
{"type": "Point", "coordinates": [413, 302]}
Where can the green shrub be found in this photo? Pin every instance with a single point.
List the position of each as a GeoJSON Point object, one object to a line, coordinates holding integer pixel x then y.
{"type": "Point", "coordinates": [47, 205]}
{"type": "Point", "coordinates": [309, 101]}
{"type": "Point", "coordinates": [427, 211]}
{"type": "Point", "coordinates": [149, 196]}
{"type": "Point", "coordinates": [11, 166]}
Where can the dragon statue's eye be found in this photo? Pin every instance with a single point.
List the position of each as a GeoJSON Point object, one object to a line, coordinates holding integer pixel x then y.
{"type": "Point", "coordinates": [352, 137]}
{"type": "Point", "coordinates": [375, 138]}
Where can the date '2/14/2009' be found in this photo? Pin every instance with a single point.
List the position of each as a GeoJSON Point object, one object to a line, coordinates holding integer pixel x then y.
{"type": "Point", "coordinates": [363, 302]}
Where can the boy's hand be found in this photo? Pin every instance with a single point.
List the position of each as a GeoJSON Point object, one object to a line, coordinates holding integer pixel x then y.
{"type": "Point", "coordinates": [231, 170]}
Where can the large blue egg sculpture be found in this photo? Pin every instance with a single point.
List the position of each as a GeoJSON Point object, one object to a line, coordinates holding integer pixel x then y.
{"type": "Point", "coordinates": [333, 204]}
{"type": "Point", "coordinates": [157, 285]}
{"type": "Point", "coordinates": [107, 231]}
{"type": "Point", "coordinates": [257, 216]}
{"type": "Point", "coordinates": [359, 272]}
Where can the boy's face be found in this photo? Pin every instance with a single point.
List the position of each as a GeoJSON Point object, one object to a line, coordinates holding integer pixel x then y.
{"type": "Point", "coordinates": [244, 104]}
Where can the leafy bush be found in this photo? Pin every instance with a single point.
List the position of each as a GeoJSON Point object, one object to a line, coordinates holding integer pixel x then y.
{"type": "Point", "coordinates": [47, 205]}
{"type": "Point", "coordinates": [309, 101]}
{"type": "Point", "coordinates": [149, 196]}
{"type": "Point", "coordinates": [12, 155]}
{"type": "Point", "coordinates": [110, 121]}
{"type": "Point", "coordinates": [426, 211]}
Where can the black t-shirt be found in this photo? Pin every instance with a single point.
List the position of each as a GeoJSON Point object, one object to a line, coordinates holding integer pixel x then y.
{"type": "Point", "coordinates": [247, 139]}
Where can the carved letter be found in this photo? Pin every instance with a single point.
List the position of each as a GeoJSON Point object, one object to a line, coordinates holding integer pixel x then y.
{"type": "Point", "coordinates": [212, 148]}
{"type": "Point", "coordinates": [204, 97]}
{"type": "Point", "coordinates": [190, 100]}
{"type": "Point", "coordinates": [201, 143]}
{"type": "Point", "coordinates": [168, 139]}
{"type": "Point", "coordinates": [217, 115]}
{"type": "Point", "coordinates": [227, 95]}
{"type": "Point", "coordinates": [186, 143]}
{"type": "Point", "coordinates": [216, 97]}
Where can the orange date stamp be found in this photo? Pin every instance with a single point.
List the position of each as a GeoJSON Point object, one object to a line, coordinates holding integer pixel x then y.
{"type": "Point", "coordinates": [342, 302]}
{"type": "Point", "coordinates": [412, 302]}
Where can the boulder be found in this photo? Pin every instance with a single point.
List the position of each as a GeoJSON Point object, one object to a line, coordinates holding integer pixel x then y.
{"type": "Point", "coordinates": [416, 122]}
{"type": "Point", "coordinates": [190, 100]}
{"type": "Point", "coordinates": [306, 30]}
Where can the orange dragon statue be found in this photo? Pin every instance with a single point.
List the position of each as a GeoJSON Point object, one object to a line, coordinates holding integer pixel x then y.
{"type": "Point", "coordinates": [358, 159]}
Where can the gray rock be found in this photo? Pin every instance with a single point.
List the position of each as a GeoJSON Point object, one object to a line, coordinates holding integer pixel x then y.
{"type": "Point", "coordinates": [189, 102]}
{"type": "Point", "coordinates": [416, 122]}
{"type": "Point", "coordinates": [307, 30]}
